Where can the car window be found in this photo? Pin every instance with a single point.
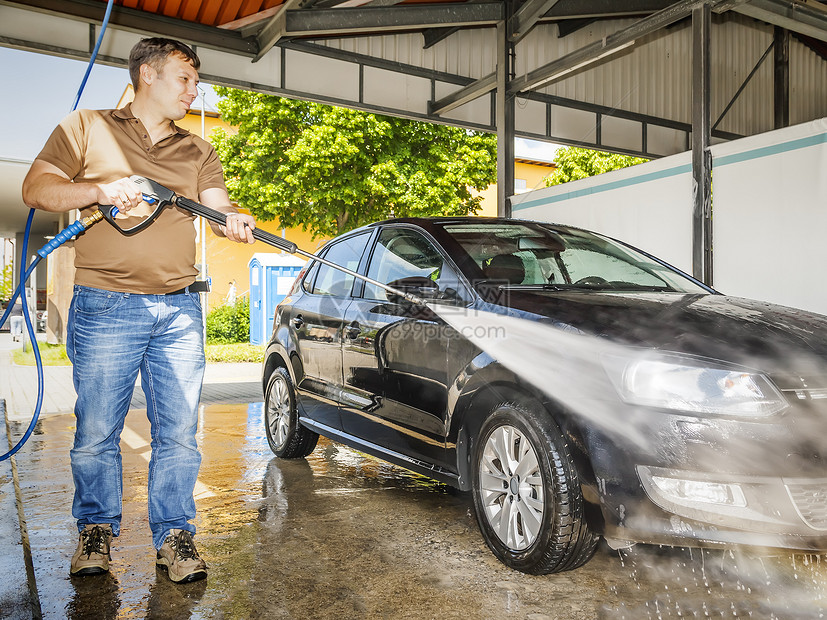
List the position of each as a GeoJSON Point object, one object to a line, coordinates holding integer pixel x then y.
{"type": "Point", "coordinates": [534, 254]}
{"type": "Point", "coordinates": [307, 283]}
{"type": "Point", "coordinates": [403, 253]}
{"type": "Point", "coordinates": [326, 280]}
{"type": "Point", "coordinates": [583, 264]}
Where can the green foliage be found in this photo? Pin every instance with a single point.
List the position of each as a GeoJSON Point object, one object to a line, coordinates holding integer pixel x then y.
{"type": "Point", "coordinates": [330, 169]}
{"type": "Point", "coordinates": [6, 283]}
{"type": "Point", "coordinates": [50, 355]}
{"type": "Point", "coordinates": [236, 352]}
{"type": "Point", "coordinates": [229, 323]}
{"type": "Point", "coordinates": [575, 163]}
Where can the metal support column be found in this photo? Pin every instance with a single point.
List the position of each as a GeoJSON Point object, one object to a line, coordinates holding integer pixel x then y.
{"type": "Point", "coordinates": [701, 155]}
{"type": "Point", "coordinates": [505, 119]}
{"type": "Point", "coordinates": [781, 82]}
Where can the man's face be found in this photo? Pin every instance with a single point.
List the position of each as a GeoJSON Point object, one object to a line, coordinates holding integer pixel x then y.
{"type": "Point", "coordinates": [174, 87]}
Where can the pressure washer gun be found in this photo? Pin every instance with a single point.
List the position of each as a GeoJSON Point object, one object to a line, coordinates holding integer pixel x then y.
{"type": "Point", "coordinates": [161, 197]}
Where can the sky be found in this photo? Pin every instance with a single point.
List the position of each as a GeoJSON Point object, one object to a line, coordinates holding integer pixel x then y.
{"type": "Point", "coordinates": [39, 91]}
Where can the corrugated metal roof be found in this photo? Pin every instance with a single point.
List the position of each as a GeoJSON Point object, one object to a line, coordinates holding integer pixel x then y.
{"type": "Point", "coordinates": [234, 14]}
{"type": "Point", "coordinates": [207, 12]}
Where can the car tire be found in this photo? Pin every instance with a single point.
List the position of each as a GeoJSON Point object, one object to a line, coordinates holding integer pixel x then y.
{"type": "Point", "coordinates": [287, 438]}
{"type": "Point", "coordinates": [530, 508]}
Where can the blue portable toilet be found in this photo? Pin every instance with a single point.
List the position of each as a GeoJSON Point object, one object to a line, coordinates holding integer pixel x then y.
{"type": "Point", "coordinates": [271, 276]}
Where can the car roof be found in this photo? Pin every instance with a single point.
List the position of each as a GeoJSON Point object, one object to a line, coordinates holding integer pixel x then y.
{"type": "Point", "coordinates": [429, 223]}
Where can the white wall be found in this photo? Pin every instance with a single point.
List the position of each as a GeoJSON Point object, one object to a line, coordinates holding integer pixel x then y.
{"type": "Point", "coordinates": [769, 219]}
{"type": "Point", "coordinates": [648, 206]}
{"type": "Point", "coordinates": [769, 222]}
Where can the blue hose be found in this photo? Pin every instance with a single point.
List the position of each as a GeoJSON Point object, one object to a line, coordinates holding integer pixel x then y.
{"type": "Point", "coordinates": [24, 276]}
{"type": "Point", "coordinates": [66, 234]}
{"type": "Point", "coordinates": [94, 54]}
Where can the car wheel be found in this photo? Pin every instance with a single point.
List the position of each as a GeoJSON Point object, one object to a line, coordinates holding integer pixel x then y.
{"type": "Point", "coordinates": [287, 438]}
{"type": "Point", "coordinates": [527, 495]}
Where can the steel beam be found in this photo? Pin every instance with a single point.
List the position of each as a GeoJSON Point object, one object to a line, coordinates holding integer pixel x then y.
{"type": "Point", "coordinates": [701, 154]}
{"type": "Point", "coordinates": [571, 62]}
{"type": "Point", "coordinates": [807, 19]}
{"type": "Point", "coordinates": [592, 9]}
{"type": "Point", "coordinates": [274, 29]}
{"type": "Point", "coordinates": [781, 78]}
{"type": "Point", "coordinates": [349, 3]}
{"type": "Point", "coordinates": [373, 20]}
{"type": "Point", "coordinates": [525, 18]}
{"type": "Point", "coordinates": [505, 123]}
{"type": "Point", "coordinates": [598, 50]}
{"type": "Point", "coordinates": [743, 85]}
{"type": "Point", "coordinates": [433, 36]}
{"type": "Point", "coordinates": [464, 95]}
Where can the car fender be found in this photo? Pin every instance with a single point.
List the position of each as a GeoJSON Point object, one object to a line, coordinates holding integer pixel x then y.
{"type": "Point", "coordinates": [281, 349]}
{"type": "Point", "coordinates": [483, 384]}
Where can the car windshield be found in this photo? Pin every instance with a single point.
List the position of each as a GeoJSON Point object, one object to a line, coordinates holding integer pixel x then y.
{"type": "Point", "coordinates": [525, 254]}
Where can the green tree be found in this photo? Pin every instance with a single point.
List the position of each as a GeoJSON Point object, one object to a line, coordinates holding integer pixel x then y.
{"type": "Point", "coordinates": [330, 169]}
{"type": "Point", "coordinates": [574, 163]}
{"type": "Point", "coordinates": [6, 283]}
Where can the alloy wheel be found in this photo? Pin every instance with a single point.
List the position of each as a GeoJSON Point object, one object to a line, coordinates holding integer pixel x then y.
{"type": "Point", "coordinates": [279, 411]}
{"type": "Point", "coordinates": [511, 486]}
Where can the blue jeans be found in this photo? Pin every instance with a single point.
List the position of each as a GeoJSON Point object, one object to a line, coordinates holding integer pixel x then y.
{"type": "Point", "coordinates": [110, 338]}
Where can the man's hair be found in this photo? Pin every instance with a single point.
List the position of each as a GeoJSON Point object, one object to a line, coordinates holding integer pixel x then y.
{"type": "Point", "coordinates": [154, 52]}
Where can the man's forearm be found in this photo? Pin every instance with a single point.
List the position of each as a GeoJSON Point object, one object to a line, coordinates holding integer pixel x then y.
{"type": "Point", "coordinates": [51, 192]}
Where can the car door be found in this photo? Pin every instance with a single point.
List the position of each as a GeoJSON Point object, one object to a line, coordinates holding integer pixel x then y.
{"type": "Point", "coordinates": [395, 354]}
{"type": "Point", "coordinates": [317, 319]}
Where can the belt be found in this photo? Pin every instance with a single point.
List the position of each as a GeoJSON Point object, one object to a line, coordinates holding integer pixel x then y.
{"type": "Point", "coordinates": [199, 286]}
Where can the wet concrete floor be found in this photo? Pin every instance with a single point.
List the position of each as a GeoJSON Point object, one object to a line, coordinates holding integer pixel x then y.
{"type": "Point", "coordinates": [342, 535]}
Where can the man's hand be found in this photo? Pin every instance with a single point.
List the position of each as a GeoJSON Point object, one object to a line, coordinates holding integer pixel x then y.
{"type": "Point", "coordinates": [123, 193]}
{"type": "Point", "coordinates": [239, 228]}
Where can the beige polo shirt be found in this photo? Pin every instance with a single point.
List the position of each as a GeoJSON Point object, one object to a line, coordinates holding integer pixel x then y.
{"type": "Point", "coordinates": [101, 146]}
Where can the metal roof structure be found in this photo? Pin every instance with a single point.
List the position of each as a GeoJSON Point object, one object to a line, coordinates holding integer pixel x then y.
{"type": "Point", "coordinates": [644, 77]}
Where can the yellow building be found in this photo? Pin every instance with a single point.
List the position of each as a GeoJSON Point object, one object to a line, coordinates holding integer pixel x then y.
{"type": "Point", "coordinates": [529, 174]}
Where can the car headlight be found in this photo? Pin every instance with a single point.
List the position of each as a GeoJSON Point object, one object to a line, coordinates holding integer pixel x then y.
{"type": "Point", "coordinates": [686, 384]}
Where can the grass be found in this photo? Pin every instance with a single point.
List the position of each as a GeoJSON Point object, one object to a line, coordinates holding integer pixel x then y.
{"type": "Point", "coordinates": [55, 354]}
{"type": "Point", "coordinates": [237, 352]}
{"type": "Point", "coordinates": [50, 355]}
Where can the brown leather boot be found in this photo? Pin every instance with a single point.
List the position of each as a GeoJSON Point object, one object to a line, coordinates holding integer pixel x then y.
{"type": "Point", "coordinates": [92, 555]}
{"type": "Point", "coordinates": [179, 555]}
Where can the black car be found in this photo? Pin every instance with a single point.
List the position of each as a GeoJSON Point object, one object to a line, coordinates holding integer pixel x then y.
{"type": "Point", "coordinates": [628, 400]}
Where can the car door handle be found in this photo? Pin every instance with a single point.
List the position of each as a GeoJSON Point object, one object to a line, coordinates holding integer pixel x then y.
{"type": "Point", "coordinates": [298, 321]}
{"type": "Point", "coordinates": [352, 331]}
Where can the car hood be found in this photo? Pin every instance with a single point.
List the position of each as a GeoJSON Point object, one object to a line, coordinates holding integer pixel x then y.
{"type": "Point", "coordinates": [786, 343]}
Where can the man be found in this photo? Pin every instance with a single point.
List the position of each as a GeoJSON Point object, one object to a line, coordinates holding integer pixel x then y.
{"type": "Point", "coordinates": [134, 307]}
{"type": "Point", "coordinates": [230, 299]}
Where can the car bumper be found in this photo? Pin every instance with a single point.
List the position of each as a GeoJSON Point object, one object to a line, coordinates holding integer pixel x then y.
{"type": "Point", "coordinates": [706, 481]}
